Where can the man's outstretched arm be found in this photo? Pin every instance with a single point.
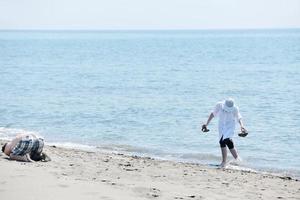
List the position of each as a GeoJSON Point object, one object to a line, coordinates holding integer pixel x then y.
{"type": "Point", "coordinates": [211, 116]}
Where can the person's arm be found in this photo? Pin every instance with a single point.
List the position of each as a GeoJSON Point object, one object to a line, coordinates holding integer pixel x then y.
{"type": "Point", "coordinates": [211, 116]}
{"type": "Point", "coordinates": [25, 158]}
{"type": "Point", "coordinates": [242, 125]}
{"type": "Point", "coordinates": [238, 117]}
{"type": "Point", "coordinates": [204, 126]}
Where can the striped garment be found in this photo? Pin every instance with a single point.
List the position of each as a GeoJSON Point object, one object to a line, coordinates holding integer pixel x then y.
{"type": "Point", "coordinates": [28, 145]}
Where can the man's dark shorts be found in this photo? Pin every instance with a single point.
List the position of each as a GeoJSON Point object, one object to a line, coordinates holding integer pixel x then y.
{"type": "Point", "coordinates": [227, 142]}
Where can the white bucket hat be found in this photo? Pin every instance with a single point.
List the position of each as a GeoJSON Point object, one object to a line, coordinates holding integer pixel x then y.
{"type": "Point", "coordinates": [228, 105]}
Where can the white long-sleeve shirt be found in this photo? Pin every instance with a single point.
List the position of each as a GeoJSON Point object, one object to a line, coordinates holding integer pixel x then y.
{"type": "Point", "coordinates": [227, 120]}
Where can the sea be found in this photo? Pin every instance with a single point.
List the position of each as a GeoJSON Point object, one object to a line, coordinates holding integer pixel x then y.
{"type": "Point", "coordinates": [147, 92]}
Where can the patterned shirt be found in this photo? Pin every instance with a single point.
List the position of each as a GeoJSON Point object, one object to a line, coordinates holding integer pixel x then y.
{"type": "Point", "coordinates": [28, 144]}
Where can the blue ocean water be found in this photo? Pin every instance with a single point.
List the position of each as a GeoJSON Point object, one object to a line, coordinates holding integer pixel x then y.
{"type": "Point", "coordinates": [148, 92]}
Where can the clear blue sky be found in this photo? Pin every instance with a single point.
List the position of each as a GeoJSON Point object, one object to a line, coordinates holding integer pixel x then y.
{"type": "Point", "coordinates": [149, 14]}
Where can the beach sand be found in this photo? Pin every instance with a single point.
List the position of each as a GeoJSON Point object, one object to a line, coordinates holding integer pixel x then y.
{"type": "Point", "coordinates": [77, 174]}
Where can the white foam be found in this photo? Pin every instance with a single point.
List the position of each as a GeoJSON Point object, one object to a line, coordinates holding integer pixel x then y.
{"type": "Point", "coordinates": [240, 168]}
{"type": "Point", "coordinates": [9, 133]}
{"type": "Point", "coordinates": [239, 164]}
{"type": "Point", "coordinates": [70, 145]}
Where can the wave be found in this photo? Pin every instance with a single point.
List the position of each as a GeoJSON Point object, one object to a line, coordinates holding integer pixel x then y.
{"type": "Point", "coordinates": [7, 133]}
{"type": "Point", "coordinates": [70, 145]}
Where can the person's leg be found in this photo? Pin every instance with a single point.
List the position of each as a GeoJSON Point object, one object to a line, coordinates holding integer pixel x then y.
{"type": "Point", "coordinates": [24, 158]}
{"type": "Point", "coordinates": [232, 150]}
{"type": "Point", "coordinates": [224, 156]}
{"type": "Point", "coordinates": [36, 150]}
{"type": "Point", "coordinates": [234, 153]}
{"type": "Point", "coordinates": [224, 152]}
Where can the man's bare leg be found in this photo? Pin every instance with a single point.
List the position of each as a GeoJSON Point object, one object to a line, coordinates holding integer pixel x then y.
{"type": "Point", "coordinates": [224, 156]}
{"type": "Point", "coordinates": [234, 153]}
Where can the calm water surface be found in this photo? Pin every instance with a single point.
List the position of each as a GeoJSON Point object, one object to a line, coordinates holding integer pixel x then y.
{"type": "Point", "coordinates": [148, 92]}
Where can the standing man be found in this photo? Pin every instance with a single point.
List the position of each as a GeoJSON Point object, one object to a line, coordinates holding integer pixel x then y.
{"type": "Point", "coordinates": [228, 114]}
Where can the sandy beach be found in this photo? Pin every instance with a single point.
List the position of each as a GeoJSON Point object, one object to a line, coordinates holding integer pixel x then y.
{"type": "Point", "coordinates": [76, 174]}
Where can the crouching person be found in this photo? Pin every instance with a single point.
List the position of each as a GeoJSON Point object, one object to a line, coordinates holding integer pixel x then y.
{"type": "Point", "coordinates": [26, 148]}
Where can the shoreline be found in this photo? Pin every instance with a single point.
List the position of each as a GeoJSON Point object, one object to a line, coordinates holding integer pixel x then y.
{"type": "Point", "coordinates": [77, 174]}
{"type": "Point", "coordinates": [104, 149]}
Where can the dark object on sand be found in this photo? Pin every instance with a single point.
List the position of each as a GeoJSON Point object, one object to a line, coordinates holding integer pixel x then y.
{"type": "Point", "coordinates": [204, 128]}
{"type": "Point", "coordinates": [3, 147]}
{"type": "Point", "coordinates": [40, 157]}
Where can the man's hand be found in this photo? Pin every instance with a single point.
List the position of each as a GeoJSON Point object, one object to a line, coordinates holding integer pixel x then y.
{"type": "Point", "coordinates": [243, 132]}
{"type": "Point", "coordinates": [204, 128]}
{"type": "Point", "coordinates": [243, 129]}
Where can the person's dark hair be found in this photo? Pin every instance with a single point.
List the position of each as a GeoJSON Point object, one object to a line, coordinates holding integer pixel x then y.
{"type": "Point", "coordinates": [40, 157]}
{"type": "Point", "coordinates": [36, 156]}
{"type": "Point", "coordinates": [3, 147]}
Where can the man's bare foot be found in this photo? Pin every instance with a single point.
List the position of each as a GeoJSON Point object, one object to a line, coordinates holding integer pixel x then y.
{"type": "Point", "coordinates": [223, 165]}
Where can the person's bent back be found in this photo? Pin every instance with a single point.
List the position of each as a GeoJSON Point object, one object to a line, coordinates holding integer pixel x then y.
{"type": "Point", "coordinates": [25, 147]}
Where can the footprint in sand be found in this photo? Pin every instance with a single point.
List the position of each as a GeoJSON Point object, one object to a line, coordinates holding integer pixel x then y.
{"type": "Point", "coordinates": [63, 186]}
{"type": "Point", "coordinates": [189, 197]}
{"type": "Point", "coordinates": [150, 193]}
{"type": "Point", "coordinates": [154, 192]}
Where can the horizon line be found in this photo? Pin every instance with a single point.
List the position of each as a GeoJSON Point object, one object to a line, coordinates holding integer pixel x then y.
{"type": "Point", "coordinates": [150, 29]}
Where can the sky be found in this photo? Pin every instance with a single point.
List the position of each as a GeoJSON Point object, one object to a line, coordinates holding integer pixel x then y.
{"type": "Point", "coordinates": [149, 14]}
